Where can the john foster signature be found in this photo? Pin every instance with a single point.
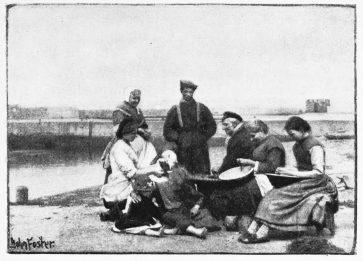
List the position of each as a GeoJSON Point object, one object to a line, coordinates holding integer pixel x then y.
{"type": "Point", "coordinates": [30, 243]}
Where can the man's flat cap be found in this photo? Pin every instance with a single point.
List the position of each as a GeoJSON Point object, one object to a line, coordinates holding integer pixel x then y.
{"type": "Point", "coordinates": [229, 114]}
{"type": "Point", "coordinates": [187, 84]}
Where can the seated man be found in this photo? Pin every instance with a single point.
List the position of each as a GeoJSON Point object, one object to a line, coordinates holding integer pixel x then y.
{"type": "Point", "coordinates": [239, 144]}
{"type": "Point", "coordinates": [228, 199]}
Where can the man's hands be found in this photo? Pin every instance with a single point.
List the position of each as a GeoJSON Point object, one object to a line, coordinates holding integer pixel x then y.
{"type": "Point", "coordinates": [246, 162]}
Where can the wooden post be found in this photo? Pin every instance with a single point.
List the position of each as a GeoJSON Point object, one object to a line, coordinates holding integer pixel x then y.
{"type": "Point", "coordinates": [90, 129]}
{"type": "Point", "coordinates": [22, 195]}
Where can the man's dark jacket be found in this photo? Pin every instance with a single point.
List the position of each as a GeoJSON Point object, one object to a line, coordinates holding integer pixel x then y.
{"type": "Point", "coordinates": [192, 138]}
{"type": "Point", "coordinates": [239, 146]}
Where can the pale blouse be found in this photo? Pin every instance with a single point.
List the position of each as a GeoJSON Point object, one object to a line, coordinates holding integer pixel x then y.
{"type": "Point", "coordinates": [123, 164]}
{"type": "Point", "coordinates": [317, 158]}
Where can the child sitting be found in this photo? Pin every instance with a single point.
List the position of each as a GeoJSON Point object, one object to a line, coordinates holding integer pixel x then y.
{"type": "Point", "coordinates": [182, 203]}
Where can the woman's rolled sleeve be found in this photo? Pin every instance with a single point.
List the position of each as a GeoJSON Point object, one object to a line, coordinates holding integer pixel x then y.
{"type": "Point", "coordinates": [317, 158]}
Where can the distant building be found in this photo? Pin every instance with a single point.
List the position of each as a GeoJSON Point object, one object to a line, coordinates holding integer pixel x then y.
{"type": "Point", "coordinates": [317, 106]}
{"type": "Point", "coordinates": [310, 106]}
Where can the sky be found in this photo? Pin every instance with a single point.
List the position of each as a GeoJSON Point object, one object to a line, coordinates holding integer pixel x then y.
{"type": "Point", "coordinates": [249, 57]}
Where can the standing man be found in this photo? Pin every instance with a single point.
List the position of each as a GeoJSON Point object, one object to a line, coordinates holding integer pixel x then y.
{"type": "Point", "coordinates": [190, 125]}
{"type": "Point", "coordinates": [239, 144]}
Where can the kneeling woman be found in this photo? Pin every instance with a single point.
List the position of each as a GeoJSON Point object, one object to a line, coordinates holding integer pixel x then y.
{"type": "Point", "coordinates": [124, 162]}
{"type": "Point", "coordinates": [301, 204]}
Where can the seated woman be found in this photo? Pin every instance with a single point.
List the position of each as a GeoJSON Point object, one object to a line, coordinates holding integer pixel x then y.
{"type": "Point", "coordinates": [124, 162]}
{"type": "Point", "coordinates": [183, 212]}
{"type": "Point", "coordinates": [294, 207]}
{"type": "Point", "coordinates": [268, 155]}
{"type": "Point", "coordinates": [242, 198]}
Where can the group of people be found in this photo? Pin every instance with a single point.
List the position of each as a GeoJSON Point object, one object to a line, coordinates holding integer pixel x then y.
{"type": "Point", "coordinates": [150, 193]}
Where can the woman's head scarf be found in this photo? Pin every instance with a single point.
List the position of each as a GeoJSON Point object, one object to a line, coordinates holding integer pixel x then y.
{"type": "Point", "coordinates": [129, 91]}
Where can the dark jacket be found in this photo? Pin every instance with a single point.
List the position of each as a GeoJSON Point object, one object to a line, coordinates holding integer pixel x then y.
{"type": "Point", "coordinates": [191, 138]}
{"type": "Point", "coordinates": [239, 146]}
{"type": "Point", "coordinates": [206, 127]}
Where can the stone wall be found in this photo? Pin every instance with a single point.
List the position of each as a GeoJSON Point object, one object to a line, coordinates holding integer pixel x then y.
{"type": "Point", "coordinates": [104, 128]}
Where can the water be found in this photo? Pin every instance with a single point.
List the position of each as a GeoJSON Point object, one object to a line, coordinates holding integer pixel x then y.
{"type": "Point", "coordinates": [52, 180]}
{"type": "Point", "coordinates": [48, 173]}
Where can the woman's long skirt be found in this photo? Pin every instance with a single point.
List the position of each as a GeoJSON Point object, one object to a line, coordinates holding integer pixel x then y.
{"type": "Point", "coordinates": [297, 206]}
